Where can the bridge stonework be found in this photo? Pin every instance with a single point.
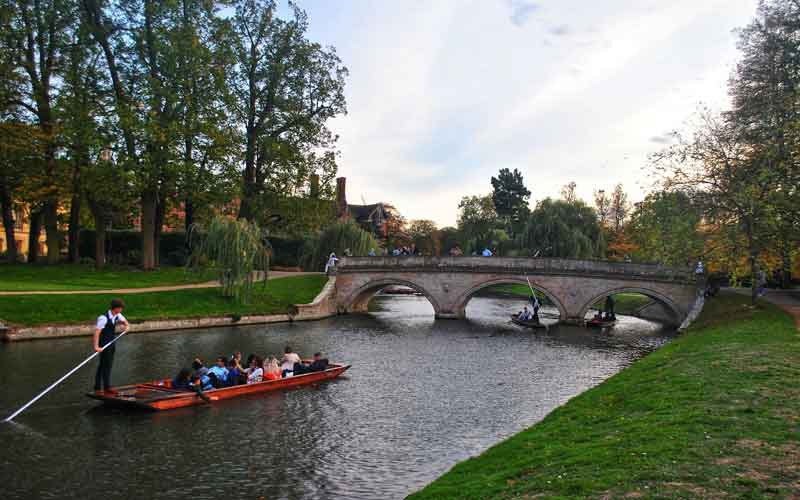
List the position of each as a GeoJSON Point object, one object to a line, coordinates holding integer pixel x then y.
{"type": "Point", "coordinates": [571, 285]}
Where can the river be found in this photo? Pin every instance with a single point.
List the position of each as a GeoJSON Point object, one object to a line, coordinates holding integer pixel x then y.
{"type": "Point", "coordinates": [421, 396]}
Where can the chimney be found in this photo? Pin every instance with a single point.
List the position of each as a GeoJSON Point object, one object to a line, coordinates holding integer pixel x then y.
{"type": "Point", "coordinates": [342, 212]}
{"type": "Point", "coordinates": [313, 186]}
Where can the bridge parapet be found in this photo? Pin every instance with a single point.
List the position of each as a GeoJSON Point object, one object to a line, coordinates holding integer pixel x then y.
{"type": "Point", "coordinates": [517, 266]}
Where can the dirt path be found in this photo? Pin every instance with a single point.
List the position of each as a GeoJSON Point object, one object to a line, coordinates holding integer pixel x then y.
{"type": "Point", "coordinates": [208, 284]}
{"type": "Point", "coordinates": [788, 300]}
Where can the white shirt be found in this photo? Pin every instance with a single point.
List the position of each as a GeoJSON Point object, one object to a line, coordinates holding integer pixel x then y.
{"type": "Point", "coordinates": [289, 360]}
{"type": "Point", "coordinates": [102, 320]}
{"type": "Point", "coordinates": [254, 375]}
{"type": "Point", "coordinates": [487, 253]}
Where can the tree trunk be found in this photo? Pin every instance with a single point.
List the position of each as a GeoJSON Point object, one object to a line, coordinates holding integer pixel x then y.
{"type": "Point", "coordinates": [246, 209]}
{"type": "Point", "coordinates": [159, 228]}
{"type": "Point", "coordinates": [33, 235]}
{"type": "Point", "coordinates": [754, 284]}
{"type": "Point", "coordinates": [786, 267]}
{"type": "Point", "coordinates": [73, 240]}
{"type": "Point", "coordinates": [188, 210]}
{"type": "Point", "coordinates": [149, 201]}
{"type": "Point", "coordinates": [74, 229]}
{"type": "Point", "coordinates": [8, 223]}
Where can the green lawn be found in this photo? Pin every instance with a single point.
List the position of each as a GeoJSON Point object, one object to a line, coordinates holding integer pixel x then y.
{"type": "Point", "coordinates": [625, 303]}
{"type": "Point", "coordinates": [716, 413]}
{"type": "Point", "coordinates": [27, 278]}
{"type": "Point", "coordinates": [274, 298]}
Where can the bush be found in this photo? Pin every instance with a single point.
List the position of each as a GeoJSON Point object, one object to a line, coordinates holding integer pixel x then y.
{"type": "Point", "coordinates": [286, 252]}
{"type": "Point", "coordinates": [125, 247]}
{"type": "Point", "coordinates": [336, 238]}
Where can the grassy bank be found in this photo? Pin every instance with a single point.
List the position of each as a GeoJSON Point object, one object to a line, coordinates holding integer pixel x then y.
{"type": "Point", "coordinates": [713, 414]}
{"type": "Point", "coordinates": [624, 303]}
{"type": "Point", "coordinates": [27, 278]}
{"type": "Point", "coordinates": [274, 298]}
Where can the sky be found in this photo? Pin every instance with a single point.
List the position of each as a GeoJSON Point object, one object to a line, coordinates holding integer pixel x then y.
{"type": "Point", "coordinates": [442, 94]}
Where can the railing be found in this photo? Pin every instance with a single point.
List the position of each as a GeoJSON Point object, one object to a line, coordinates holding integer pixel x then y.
{"type": "Point", "coordinates": [515, 265]}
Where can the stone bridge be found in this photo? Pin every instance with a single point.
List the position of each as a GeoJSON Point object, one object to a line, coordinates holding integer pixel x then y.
{"type": "Point", "coordinates": [573, 286]}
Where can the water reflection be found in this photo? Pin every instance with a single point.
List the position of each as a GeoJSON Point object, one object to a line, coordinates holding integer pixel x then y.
{"type": "Point", "coordinates": [421, 396]}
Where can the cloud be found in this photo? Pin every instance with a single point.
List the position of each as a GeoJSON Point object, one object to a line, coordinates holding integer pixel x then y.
{"type": "Point", "coordinates": [521, 11]}
{"type": "Point", "coordinates": [560, 30]}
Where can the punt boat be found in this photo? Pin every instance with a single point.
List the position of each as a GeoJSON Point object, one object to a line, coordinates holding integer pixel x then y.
{"type": "Point", "coordinates": [526, 323]}
{"type": "Point", "coordinates": [159, 394]}
{"type": "Point", "coordinates": [600, 323]}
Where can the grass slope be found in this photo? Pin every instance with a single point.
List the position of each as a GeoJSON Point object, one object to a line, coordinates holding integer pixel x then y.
{"type": "Point", "coordinates": [278, 294]}
{"type": "Point", "coordinates": [28, 278]}
{"type": "Point", "coordinates": [713, 414]}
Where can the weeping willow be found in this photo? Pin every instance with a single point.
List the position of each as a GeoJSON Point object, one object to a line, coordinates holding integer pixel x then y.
{"type": "Point", "coordinates": [336, 238]}
{"type": "Point", "coordinates": [234, 249]}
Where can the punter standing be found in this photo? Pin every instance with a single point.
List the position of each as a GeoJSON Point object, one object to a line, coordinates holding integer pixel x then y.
{"type": "Point", "coordinates": [104, 333]}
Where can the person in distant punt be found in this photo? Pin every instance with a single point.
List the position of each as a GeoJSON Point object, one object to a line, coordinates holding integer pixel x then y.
{"type": "Point", "coordinates": [104, 333]}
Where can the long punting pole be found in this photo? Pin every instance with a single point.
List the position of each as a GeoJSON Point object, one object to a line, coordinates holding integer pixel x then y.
{"type": "Point", "coordinates": [11, 417]}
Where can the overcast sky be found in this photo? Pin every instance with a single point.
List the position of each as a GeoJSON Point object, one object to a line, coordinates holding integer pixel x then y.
{"type": "Point", "coordinates": [442, 94]}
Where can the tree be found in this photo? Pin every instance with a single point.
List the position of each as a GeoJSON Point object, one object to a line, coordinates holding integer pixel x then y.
{"type": "Point", "coordinates": [665, 226]}
{"type": "Point", "coordinates": [618, 208]}
{"type": "Point", "coordinates": [285, 89]}
{"type": "Point", "coordinates": [235, 249]}
{"type": "Point", "coordinates": [568, 192]}
{"type": "Point", "coordinates": [764, 90]}
{"type": "Point", "coordinates": [602, 204]}
{"type": "Point", "coordinates": [425, 236]}
{"type": "Point", "coordinates": [477, 218]}
{"type": "Point", "coordinates": [510, 197]}
{"type": "Point", "coordinates": [557, 228]}
{"type": "Point", "coordinates": [37, 35]}
{"type": "Point", "coordinates": [727, 177]}
{"type": "Point", "coordinates": [336, 238]}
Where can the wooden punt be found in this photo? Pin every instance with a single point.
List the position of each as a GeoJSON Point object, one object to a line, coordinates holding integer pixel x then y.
{"type": "Point", "coordinates": [526, 323]}
{"type": "Point", "coordinates": [600, 323]}
{"type": "Point", "coordinates": [159, 395]}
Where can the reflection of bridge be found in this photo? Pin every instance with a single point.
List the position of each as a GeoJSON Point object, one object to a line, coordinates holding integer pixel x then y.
{"type": "Point", "coordinates": [573, 286]}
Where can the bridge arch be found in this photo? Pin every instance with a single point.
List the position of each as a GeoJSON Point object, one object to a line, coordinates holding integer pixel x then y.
{"type": "Point", "coordinates": [358, 301]}
{"type": "Point", "coordinates": [661, 299]}
{"type": "Point", "coordinates": [464, 298]}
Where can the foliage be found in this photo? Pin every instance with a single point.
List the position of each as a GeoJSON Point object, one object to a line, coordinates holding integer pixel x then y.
{"type": "Point", "coordinates": [284, 89]}
{"type": "Point", "coordinates": [510, 197]}
{"type": "Point", "coordinates": [235, 249]}
{"type": "Point", "coordinates": [557, 228]}
{"type": "Point", "coordinates": [275, 297]}
{"type": "Point", "coordinates": [477, 219]}
{"type": "Point", "coordinates": [336, 238]}
{"type": "Point", "coordinates": [689, 420]}
{"type": "Point", "coordinates": [425, 236]}
{"type": "Point", "coordinates": [568, 193]}
{"type": "Point", "coordinates": [666, 228]}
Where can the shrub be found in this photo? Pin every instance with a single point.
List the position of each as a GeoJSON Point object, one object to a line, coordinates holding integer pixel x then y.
{"type": "Point", "coordinates": [336, 238]}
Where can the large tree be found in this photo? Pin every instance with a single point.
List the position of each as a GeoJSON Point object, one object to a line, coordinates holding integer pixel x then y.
{"type": "Point", "coordinates": [665, 227]}
{"type": "Point", "coordinates": [558, 228]}
{"type": "Point", "coordinates": [510, 197]}
{"type": "Point", "coordinates": [477, 219]}
{"type": "Point", "coordinates": [37, 35]}
{"type": "Point", "coordinates": [285, 89]}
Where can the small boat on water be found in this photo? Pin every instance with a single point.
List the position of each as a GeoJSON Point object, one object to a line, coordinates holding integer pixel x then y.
{"type": "Point", "coordinates": [159, 394]}
{"type": "Point", "coordinates": [526, 323]}
{"type": "Point", "coordinates": [600, 323]}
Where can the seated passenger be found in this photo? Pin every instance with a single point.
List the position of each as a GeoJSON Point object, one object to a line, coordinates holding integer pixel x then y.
{"type": "Point", "coordinates": [255, 373]}
{"type": "Point", "coordinates": [218, 373]}
{"type": "Point", "coordinates": [201, 375]}
{"type": "Point", "coordinates": [234, 374]}
{"type": "Point", "coordinates": [183, 380]}
{"type": "Point", "coordinates": [598, 316]}
{"type": "Point", "coordinates": [272, 371]}
{"type": "Point", "coordinates": [287, 364]}
{"type": "Point", "coordinates": [319, 363]}
{"type": "Point", "coordinates": [525, 315]}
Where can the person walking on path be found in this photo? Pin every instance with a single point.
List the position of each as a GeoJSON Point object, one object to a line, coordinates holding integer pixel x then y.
{"type": "Point", "coordinates": [104, 333]}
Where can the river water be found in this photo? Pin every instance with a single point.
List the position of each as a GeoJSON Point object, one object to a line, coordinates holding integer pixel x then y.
{"type": "Point", "coordinates": [421, 396]}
